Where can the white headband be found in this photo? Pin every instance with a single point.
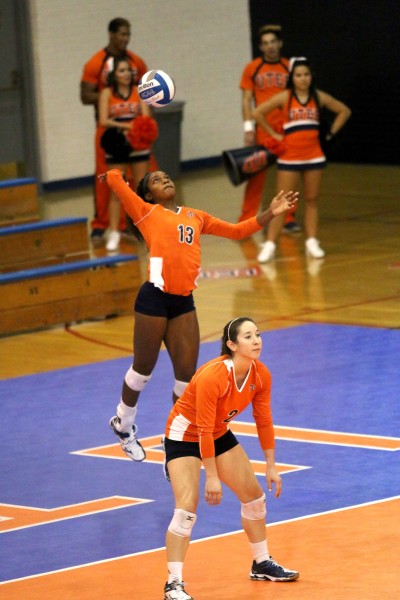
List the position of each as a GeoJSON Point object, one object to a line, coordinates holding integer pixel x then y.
{"type": "Point", "coordinates": [229, 328]}
{"type": "Point", "coordinates": [295, 59]}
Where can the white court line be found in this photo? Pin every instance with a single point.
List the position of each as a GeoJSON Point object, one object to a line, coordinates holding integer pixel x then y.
{"type": "Point", "coordinates": [212, 537]}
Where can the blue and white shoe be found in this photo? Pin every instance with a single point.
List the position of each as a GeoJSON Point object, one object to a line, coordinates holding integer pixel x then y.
{"type": "Point", "coordinates": [176, 591]}
{"type": "Point", "coordinates": [129, 443]}
{"type": "Point", "coordinates": [270, 570]}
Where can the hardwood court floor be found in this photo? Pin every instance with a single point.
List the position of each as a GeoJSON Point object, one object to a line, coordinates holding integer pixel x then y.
{"type": "Point", "coordinates": [358, 282]}
{"type": "Point", "coordinates": [347, 569]}
{"type": "Point", "coordinates": [344, 554]}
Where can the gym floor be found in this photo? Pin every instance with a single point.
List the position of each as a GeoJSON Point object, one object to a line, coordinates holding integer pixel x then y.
{"type": "Point", "coordinates": [80, 521]}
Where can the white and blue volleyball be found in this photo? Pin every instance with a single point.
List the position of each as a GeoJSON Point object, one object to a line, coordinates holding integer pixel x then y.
{"type": "Point", "coordinates": [156, 88]}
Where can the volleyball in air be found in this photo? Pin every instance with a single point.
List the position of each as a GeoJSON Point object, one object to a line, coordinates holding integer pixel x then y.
{"type": "Point", "coordinates": [156, 88]}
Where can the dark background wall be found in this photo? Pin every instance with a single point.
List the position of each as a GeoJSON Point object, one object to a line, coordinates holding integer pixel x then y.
{"type": "Point", "coordinates": [354, 49]}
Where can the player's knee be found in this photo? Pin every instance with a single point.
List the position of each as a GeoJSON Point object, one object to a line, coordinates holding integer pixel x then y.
{"type": "Point", "coordinates": [180, 387]}
{"type": "Point", "coordinates": [182, 522]}
{"type": "Point", "coordinates": [254, 510]}
{"type": "Point", "coordinates": [135, 381]}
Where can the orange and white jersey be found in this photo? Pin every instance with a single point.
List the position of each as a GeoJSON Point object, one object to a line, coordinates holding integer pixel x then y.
{"type": "Point", "coordinates": [125, 109]}
{"type": "Point", "coordinates": [212, 399]}
{"type": "Point", "coordinates": [265, 79]}
{"type": "Point", "coordinates": [301, 130]}
{"type": "Point", "coordinates": [173, 238]}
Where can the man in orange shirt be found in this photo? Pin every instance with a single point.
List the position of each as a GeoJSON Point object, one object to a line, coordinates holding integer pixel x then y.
{"type": "Point", "coordinates": [93, 80]}
{"type": "Point", "coordinates": [261, 79]}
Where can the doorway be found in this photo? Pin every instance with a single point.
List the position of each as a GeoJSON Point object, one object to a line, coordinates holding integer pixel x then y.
{"type": "Point", "coordinates": [17, 100]}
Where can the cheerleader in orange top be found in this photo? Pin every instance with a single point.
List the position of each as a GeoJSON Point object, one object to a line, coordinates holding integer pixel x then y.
{"type": "Point", "coordinates": [303, 157]}
{"type": "Point", "coordinates": [164, 307]}
{"type": "Point", "coordinates": [197, 432]}
{"type": "Point", "coordinates": [93, 80]}
{"type": "Point", "coordinates": [119, 105]}
{"type": "Point", "coordinates": [261, 79]}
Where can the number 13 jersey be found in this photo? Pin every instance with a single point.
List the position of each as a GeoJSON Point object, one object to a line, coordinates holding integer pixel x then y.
{"type": "Point", "coordinates": [173, 238]}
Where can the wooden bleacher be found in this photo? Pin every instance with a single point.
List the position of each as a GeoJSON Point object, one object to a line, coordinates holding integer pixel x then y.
{"type": "Point", "coordinates": [48, 277]}
{"type": "Point", "coordinates": [18, 201]}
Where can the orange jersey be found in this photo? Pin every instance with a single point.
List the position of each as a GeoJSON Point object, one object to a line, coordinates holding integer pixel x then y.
{"type": "Point", "coordinates": [173, 239]}
{"type": "Point", "coordinates": [212, 399]}
{"type": "Point", "coordinates": [301, 129]}
{"type": "Point", "coordinates": [265, 79]}
{"type": "Point", "coordinates": [122, 109]}
{"type": "Point", "coordinates": [97, 68]}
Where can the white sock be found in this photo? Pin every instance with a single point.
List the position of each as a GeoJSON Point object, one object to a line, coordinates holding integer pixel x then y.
{"type": "Point", "coordinates": [127, 415]}
{"type": "Point", "coordinates": [260, 551]}
{"type": "Point", "coordinates": [175, 571]}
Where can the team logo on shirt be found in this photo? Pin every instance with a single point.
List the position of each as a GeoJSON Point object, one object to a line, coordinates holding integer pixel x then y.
{"type": "Point", "coordinates": [252, 387]}
{"type": "Point", "coordinates": [190, 214]}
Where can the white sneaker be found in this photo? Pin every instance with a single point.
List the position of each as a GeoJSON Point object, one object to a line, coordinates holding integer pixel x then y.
{"type": "Point", "coordinates": [267, 252]}
{"type": "Point", "coordinates": [129, 443]}
{"type": "Point", "coordinates": [175, 591]}
{"type": "Point", "coordinates": [113, 240]}
{"type": "Point", "coordinates": [313, 248]}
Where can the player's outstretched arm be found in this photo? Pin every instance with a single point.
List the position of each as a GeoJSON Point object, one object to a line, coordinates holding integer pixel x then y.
{"type": "Point", "coordinates": [280, 204]}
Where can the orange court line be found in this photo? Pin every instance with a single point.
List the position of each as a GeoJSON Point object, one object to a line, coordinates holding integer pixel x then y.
{"type": "Point", "coordinates": [156, 456]}
{"type": "Point", "coordinates": [317, 436]}
{"type": "Point", "coordinates": [21, 517]}
{"type": "Point", "coordinates": [346, 554]}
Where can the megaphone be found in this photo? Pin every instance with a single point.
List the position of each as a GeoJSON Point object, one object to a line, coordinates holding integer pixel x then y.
{"type": "Point", "coordinates": [242, 163]}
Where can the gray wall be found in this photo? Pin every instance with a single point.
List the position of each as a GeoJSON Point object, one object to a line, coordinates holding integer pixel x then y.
{"type": "Point", "coordinates": [202, 44]}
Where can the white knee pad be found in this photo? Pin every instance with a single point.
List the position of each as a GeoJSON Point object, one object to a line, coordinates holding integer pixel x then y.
{"type": "Point", "coordinates": [135, 380]}
{"type": "Point", "coordinates": [180, 387]}
{"type": "Point", "coordinates": [254, 510]}
{"type": "Point", "coordinates": [182, 522]}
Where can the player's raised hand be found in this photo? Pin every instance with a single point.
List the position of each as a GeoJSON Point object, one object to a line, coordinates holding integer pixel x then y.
{"type": "Point", "coordinates": [283, 202]}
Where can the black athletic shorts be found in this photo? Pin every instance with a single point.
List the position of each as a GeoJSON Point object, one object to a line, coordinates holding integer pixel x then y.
{"type": "Point", "coordinates": [174, 449]}
{"type": "Point", "coordinates": [152, 301]}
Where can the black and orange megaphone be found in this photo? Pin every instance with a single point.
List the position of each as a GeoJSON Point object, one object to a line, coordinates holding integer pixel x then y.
{"type": "Point", "coordinates": [241, 163]}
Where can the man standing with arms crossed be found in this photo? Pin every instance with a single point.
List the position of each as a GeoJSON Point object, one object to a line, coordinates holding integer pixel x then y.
{"type": "Point", "coordinates": [262, 78]}
{"type": "Point", "coordinates": [93, 80]}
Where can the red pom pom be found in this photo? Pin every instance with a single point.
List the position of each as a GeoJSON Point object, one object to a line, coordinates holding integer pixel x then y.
{"type": "Point", "coordinates": [143, 132]}
{"type": "Point", "coordinates": [275, 147]}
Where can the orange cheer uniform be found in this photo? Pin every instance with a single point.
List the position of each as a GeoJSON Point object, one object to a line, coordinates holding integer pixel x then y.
{"type": "Point", "coordinates": [95, 71]}
{"type": "Point", "coordinates": [264, 79]}
{"type": "Point", "coordinates": [212, 399]}
{"type": "Point", "coordinates": [301, 128]}
{"type": "Point", "coordinates": [173, 239]}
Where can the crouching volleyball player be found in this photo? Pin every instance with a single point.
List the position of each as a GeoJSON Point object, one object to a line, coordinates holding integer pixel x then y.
{"type": "Point", "coordinates": [197, 432]}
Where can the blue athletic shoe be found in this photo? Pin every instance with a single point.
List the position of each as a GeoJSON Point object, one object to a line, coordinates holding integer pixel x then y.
{"type": "Point", "coordinates": [270, 570]}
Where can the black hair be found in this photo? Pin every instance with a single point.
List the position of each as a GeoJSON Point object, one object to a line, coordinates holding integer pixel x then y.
{"type": "Point", "coordinates": [290, 85]}
{"type": "Point", "coordinates": [115, 25]}
{"type": "Point", "coordinates": [230, 333]}
{"type": "Point", "coordinates": [142, 189]}
{"type": "Point", "coordinates": [275, 29]}
{"type": "Point", "coordinates": [111, 80]}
